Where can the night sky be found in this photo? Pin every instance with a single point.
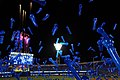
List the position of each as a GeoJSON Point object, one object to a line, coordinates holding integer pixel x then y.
{"type": "Point", "coordinates": [64, 13]}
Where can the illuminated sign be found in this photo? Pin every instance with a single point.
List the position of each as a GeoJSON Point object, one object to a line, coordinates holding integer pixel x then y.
{"type": "Point", "coordinates": [21, 58]}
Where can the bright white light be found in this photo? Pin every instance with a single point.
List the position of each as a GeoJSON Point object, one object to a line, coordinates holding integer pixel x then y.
{"type": "Point", "coordinates": [58, 46]}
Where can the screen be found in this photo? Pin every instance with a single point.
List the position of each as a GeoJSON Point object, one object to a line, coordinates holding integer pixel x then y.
{"type": "Point", "coordinates": [21, 58]}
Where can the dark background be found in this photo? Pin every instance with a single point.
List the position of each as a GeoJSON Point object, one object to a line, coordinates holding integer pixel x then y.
{"type": "Point", "coordinates": [62, 12]}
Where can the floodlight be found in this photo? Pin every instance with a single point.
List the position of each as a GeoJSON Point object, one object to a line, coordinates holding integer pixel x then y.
{"type": "Point", "coordinates": [57, 46]}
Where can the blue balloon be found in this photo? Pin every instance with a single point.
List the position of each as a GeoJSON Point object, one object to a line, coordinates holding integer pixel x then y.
{"type": "Point", "coordinates": [33, 19]}
{"type": "Point", "coordinates": [101, 31]}
{"type": "Point", "coordinates": [100, 45]}
{"type": "Point", "coordinates": [72, 69]}
{"type": "Point", "coordinates": [68, 29]}
{"type": "Point", "coordinates": [39, 10]}
{"type": "Point", "coordinates": [54, 29]}
{"type": "Point", "coordinates": [115, 26]}
{"type": "Point", "coordinates": [11, 22]}
{"type": "Point", "coordinates": [94, 24]}
{"type": "Point", "coordinates": [63, 38]}
{"type": "Point", "coordinates": [46, 17]}
{"type": "Point", "coordinates": [54, 62]}
{"type": "Point", "coordinates": [30, 30]}
{"type": "Point", "coordinates": [40, 49]}
{"type": "Point", "coordinates": [80, 9]}
{"type": "Point", "coordinates": [109, 44]}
